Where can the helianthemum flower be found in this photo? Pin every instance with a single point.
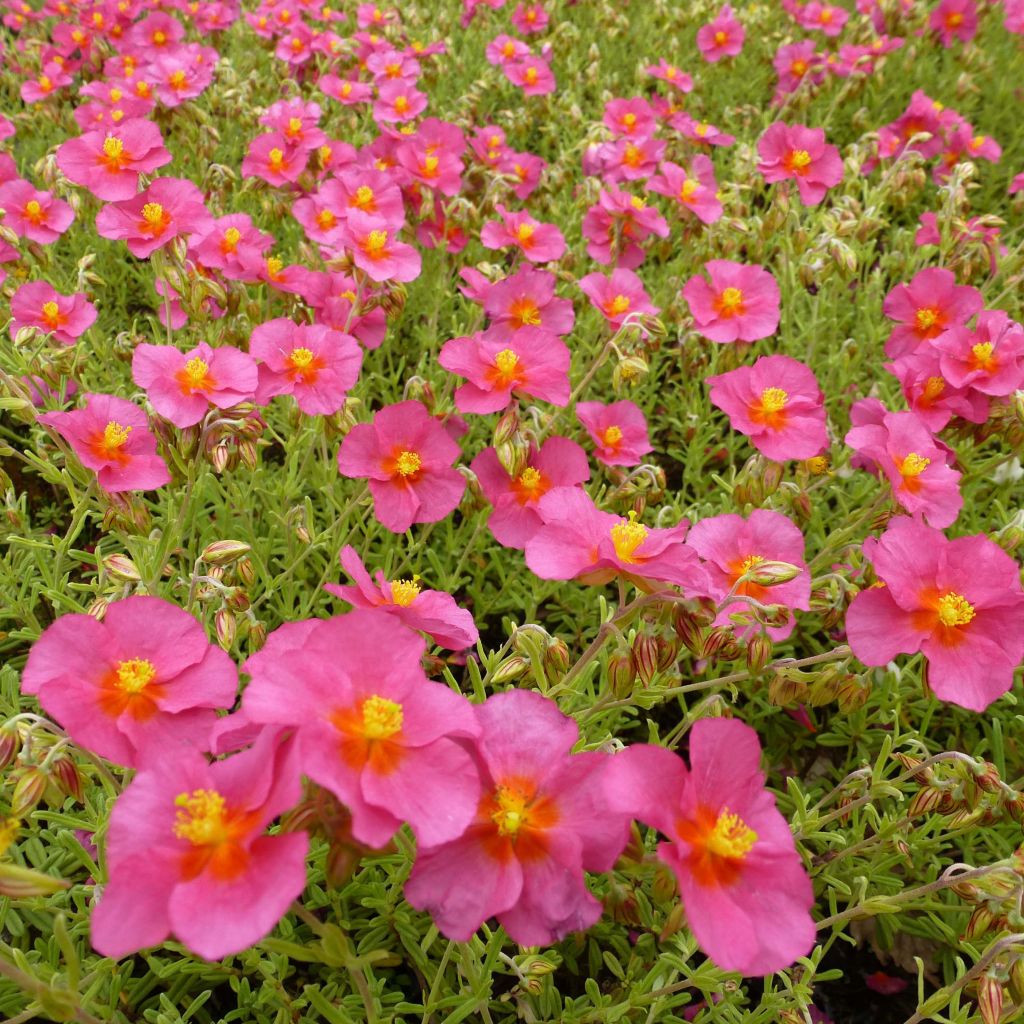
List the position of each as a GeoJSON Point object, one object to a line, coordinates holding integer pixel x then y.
{"type": "Point", "coordinates": [744, 888]}
{"type": "Point", "coordinates": [376, 250]}
{"type": "Point", "coordinates": [931, 303]}
{"type": "Point", "coordinates": [38, 304]}
{"type": "Point", "coordinates": [38, 216]}
{"type": "Point", "coordinates": [142, 683]}
{"type": "Point", "coordinates": [369, 725]}
{"type": "Point", "coordinates": [108, 162]}
{"type": "Point", "coordinates": [111, 436]}
{"type": "Point", "coordinates": [740, 304]}
{"type": "Point", "coordinates": [407, 457]}
{"type": "Point", "coordinates": [801, 154]}
{"type": "Point", "coordinates": [959, 602]}
{"type": "Point", "coordinates": [541, 821]}
{"type": "Point", "coordinates": [169, 208]}
{"type": "Point", "coordinates": [619, 431]}
{"type": "Point", "coordinates": [618, 296]}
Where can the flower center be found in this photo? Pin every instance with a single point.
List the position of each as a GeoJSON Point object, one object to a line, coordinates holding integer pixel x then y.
{"type": "Point", "coordinates": [404, 592]}
{"type": "Point", "coordinates": [363, 197]}
{"type": "Point", "coordinates": [274, 266]}
{"type": "Point", "coordinates": [798, 160]}
{"type": "Point", "coordinates": [720, 38]}
{"type": "Point", "coordinates": [375, 245]}
{"type": "Point", "coordinates": [927, 320]}
{"type": "Point", "coordinates": [134, 675]}
{"type": "Point", "coordinates": [115, 436]}
{"type": "Point", "coordinates": [276, 159]}
{"type": "Point", "coordinates": [200, 819]}
{"type": "Point", "coordinates": [619, 305]}
{"type": "Point", "coordinates": [114, 154]}
{"type": "Point", "coordinates": [531, 76]}
{"type": "Point", "coordinates": [524, 312]}
{"type": "Point", "coordinates": [382, 718]}
{"type": "Point", "coordinates": [294, 126]}
{"type": "Point", "coordinates": [326, 219]}
{"type": "Point", "coordinates": [633, 156]}
{"type": "Point", "coordinates": [33, 211]}
{"type": "Point", "coordinates": [429, 166]}
{"type": "Point", "coordinates": [506, 363]}
{"type": "Point", "coordinates": [730, 302]}
{"type": "Point", "coordinates": [955, 610]}
{"type": "Point", "coordinates": [178, 79]}
{"type": "Point", "coordinates": [687, 189]}
{"type": "Point", "coordinates": [51, 315]}
{"type": "Point", "coordinates": [627, 536]}
{"type": "Point", "coordinates": [159, 38]}
{"type": "Point", "coordinates": [731, 837]}
{"type": "Point", "coordinates": [231, 239]}
{"type": "Point", "coordinates": [914, 465]}
{"type": "Point", "coordinates": [954, 19]}
{"type": "Point", "coordinates": [155, 219]}
{"type": "Point", "coordinates": [798, 68]}
{"type": "Point", "coordinates": [749, 562]}
{"type": "Point", "coordinates": [510, 814]}
{"type": "Point", "coordinates": [933, 387]}
{"type": "Point", "coordinates": [402, 104]}
{"type": "Point", "coordinates": [612, 436]}
{"type": "Point", "coordinates": [773, 399]}
{"type": "Point", "coordinates": [408, 463]}
{"type": "Point", "coordinates": [982, 356]}
{"type": "Point", "coordinates": [524, 233]}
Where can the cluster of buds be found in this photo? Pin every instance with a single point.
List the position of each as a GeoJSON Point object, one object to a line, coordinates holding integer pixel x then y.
{"type": "Point", "coordinates": [757, 481]}
{"type": "Point", "coordinates": [531, 969]}
{"type": "Point", "coordinates": [124, 511]}
{"type": "Point", "coordinates": [693, 624]}
{"type": "Point", "coordinates": [221, 576]}
{"type": "Point", "coordinates": [38, 765]}
{"type": "Point", "coordinates": [654, 650]}
{"type": "Point", "coordinates": [513, 441]}
{"type": "Point", "coordinates": [789, 687]}
{"type": "Point", "coordinates": [534, 652]}
{"type": "Point", "coordinates": [636, 488]}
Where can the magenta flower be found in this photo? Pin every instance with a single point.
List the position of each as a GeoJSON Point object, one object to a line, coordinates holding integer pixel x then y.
{"type": "Point", "coordinates": [231, 245]}
{"type": "Point", "coordinates": [742, 882]}
{"type": "Point", "coordinates": [526, 299]}
{"type": "Point", "coordinates": [108, 162]}
{"type": "Point", "coordinates": [695, 192]}
{"type": "Point", "coordinates": [954, 19]}
{"type": "Point", "coordinates": [271, 158]}
{"type": "Point", "coordinates": [930, 395]}
{"type": "Point", "coordinates": [375, 249]}
{"type": "Point", "coordinates": [989, 359]}
{"type": "Point", "coordinates": [730, 546]}
{"type": "Point", "coordinates": [111, 436]}
{"type": "Point", "coordinates": [168, 209]}
{"type": "Point", "coordinates": [142, 683]}
{"type": "Point", "coordinates": [182, 386]}
{"type": "Point", "coordinates": [722, 37]}
{"type": "Point", "coordinates": [906, 453]}
{"type": "Point", "coordinates": [530, 362]}
{"type": "Point", "coordinates": [671, 75]}
{"type": "Point", "coordinates": [314, 364]}
{"type": "Point", "coordinates": [931, 303]}
{"type": "Point", "coordinates": [578, 541]}
{"type": "Point", "coordinates": [38, 304]}
{"type": "Point", "coordinates": [959, 602]}
{"type": "Point", "coordinates": [407, 456]}
{"type": "Point", "coordinates": [433, 612]}
{"type": "Point", "coordinates": [619, 431]}
{"type": "Point", "coordinates": [539, 243]}
{"type": "Point", "coordinates": [188, 854]}
{"type": "Point", "coordinates": [740, 304]}
{"type": "Point", "coordinates": [532, 74]}
{"type": "Point", "coordinates": [616, 225]}
{"type": "Point", "coordinates": [368, 724]}
{"type": "Point", "coordinates": [618, 296]}
{"type": "Point", "coordinates": [38, 216]}
{"type": "Point", "coordinates": [515, 518]}
{"type": "Point", "coordinates": [630, 118]}
{"type": "Point", "coordinates": [542, 821]}
{"type": "Point", "coordinates": [398, 101]}
{"type": "Point", "coordinates": [777, 403]}
{"type": "Point", "coordinates": [530, 19]}
{"type": "Point", "coordinates": [801, 154]}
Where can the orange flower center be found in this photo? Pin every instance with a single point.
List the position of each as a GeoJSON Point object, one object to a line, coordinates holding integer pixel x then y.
{"type": "Point", "coordinates": [134, 675]}
{"type": "Point", "coordinates": [955, 610]}
{"type": "Point", "coordinates": [376, 244]}
{"type": "Point", "coordinates": [982, 356]}
{"type": "Point", "coordinates": [404, 592]}
{"type": "Point", "coordinates": [797, 161]}
{"type": "Point", "coordinates": [155, 220]}
{"type": "Point", "coordinates": [524, 312]}
{"type": "Point", "coordinates": [52, 316]}
{"type": "Point", "coordinates": [408, 463]}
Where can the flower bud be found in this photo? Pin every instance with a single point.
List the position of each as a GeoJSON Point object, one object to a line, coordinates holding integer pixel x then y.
{"type": "Point", "coordinates": [66, 776]}
{"type": "Point", "coordinates": [925, 801]}
{"type": "Point", "coordinates": [122, 568]}
{"type": "Point", "coordinates": [784, 690]}
{"type": "Point", "coordinates": [759, 653]}
{"type": "Point", "coordinates": [226, 626]}
{"type": "Point", "coordinates": [621, 674]}
{"type": "Point", "coordinates": [1017, 981]}
{"type": "Point", "coordinates": [980, 922]}
{"type": "Point", "coordinates": [645, 657]}
{"type": "Point", "coordinates": [990, 999]}
{"type": "Point", "coordinates": [17, 882]}
{"type": "Point", "coordinates": [10, 744]}
{"type": "Point", "coordinates": [507, 426]}
{"type": "Point", "coordinates": [28, 791]}
{"type": "Point", "coordinates": [224, 552]}
{"type": "Point", "coordinates": [772, 573]}
{"type": "Point", "coordinates": [510, 669]}
{"type": "Point", "coordinates": [556, 658]}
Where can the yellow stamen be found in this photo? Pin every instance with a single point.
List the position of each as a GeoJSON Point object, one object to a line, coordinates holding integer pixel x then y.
{"type": "Point", "coordinates": [430, 165]}
{"type": "Point", "coordinates": [914, 465]}
{"type": "Point", "coordinates": [730, 301]}
{"type": "Point", "coordinates": [749, 562]}
{"type": "Point", "coordinates": [531, 76]}
{"type": "Point", "coordinates": [401, 104]}
{"type": "Point", "coordinates": [687, 189]}
{"type": "Point", "coordinates": [404, 592]}
{"type": "Point", "coordinates": [231, 239]}
{"type": "Point", "coordinates": [294, 126]}
{"type": "Point", "coordinates": [773, 399]}
{"type": "Point", "coordinates": [525, 232]}
{"type": "Point", "coordinates": [506, 361]}
{"type": "Point", "coordinates": [798, 159]}
{"type": "Point", "coordinates": [363, 197]}
{"type": "Point", "coordinates": [408, 463]}
{"type": "Point", "coordinates": [275, 158]}
{"type": "Point", "coordinates": [153, 213]}
{"type": "Point", "coordinates": [300, 358]}
{"type": "Point", "coordinates": [274, 266]}
{"type": "Point", "coordinates": [195, 372]}
{"type": "Point", "coordinates": [326, 219]}
{"type": "Point", "coordinates": [200, 819]}
{"type": "Point", "coordinates": [926, 318]}
{"type": "Point", "coordinates": [376, 244]}
{"type": "Point", "coordinates": [731, 836]}
{"type": "Point", "coordinates": [721, 38]}
{"type": "Point", "coordinates": [627, 536]}
{"type": "Point", "coordinates": [115, 435]}
{"type": "Point", "coordinates": [982, 355]}
{"type": "Point", "coordinates": [51, 314]}
{"type": "Point", "coordinates": [178, 79]}
{"type": "Point", "coordinates": [511, 813]}
{"type": "Point", "coordinates": [34, 212]}
{"type": "Point", "coordinates": [382, 718]}
{"type": "Point", "coordinates": [113, 147]}
{"type": "Point", "coordinates": [612, 436]}
{"type": "Point", "coordinates": [955, 610]}
{"type": "Point", "coordinates": [134, 675]}
{"type": "Point", "coordinates": [529, 479]}
{"type": "Point", "coordinates": [159, 38]}
{"type": "Point", "coordinates": [933, 387]}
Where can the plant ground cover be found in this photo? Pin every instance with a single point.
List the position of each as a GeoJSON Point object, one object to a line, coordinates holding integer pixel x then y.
{"type": "Point", "coordinates": [296, 805]}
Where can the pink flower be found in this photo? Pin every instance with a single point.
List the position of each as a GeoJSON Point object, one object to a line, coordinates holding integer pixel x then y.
{"type": "Point", "coordinates": [701, 132]}
{"type": "Point", "coordinates": [954, 19]}
{"type": "Point", "coordinates": [617, 223]}
{"type": "Point", "coordinates": [539, 243]}
{"type": "Point", "coordinates": [375, 249]}
{"type": "Point", "coordinates": [183, 385]}
{"type": "Point", "coordinates": [695, 192]}
{"type": "Point", "coordinates": [52, 78]}
{"type": "Point", "coordinates": [989, 359]}
{"type": "Point", "coordinates": [931, 303]}
{"type": "Point", "coordinates": [777, 403]}
{"type": "Point", "coordinates": [631, 159]}
{"type": "Point", "coordinates": [731, 546]}
{"type": "Point", "coordinates": [37, 304]}
{"type": "Point", "coordinates": [529, 362]}
{"type": "Point", "coordinates": [619, 431]}
{"type": "Point", "coordinates": [743, 885]}
{"type": "Point", "coordinates": [398, 101]}
{"type": "Point", "coordinates": [801, 154]}
{"type": "Point", "coordinates": [632, 119]}
{"type": "Point", "coordinates": [530, 19]}
{"type": "Point", "coordinates": [407, 456]}
{"type": "Point", "coordinates": [793, 62]}
{"type": "Point", "coordinates": [906, 453]}
{"type": "Point", "coordinates": [188, 854]}
{"type": "Point", "coordinates": [427, 611]}
{"type": "Point", "coordinates": [740, 304]}
{"type": "Point", "coordinates": [617, 297]}
{"type": "Point", "coordinates": [108, 162]}
{"type": "Point", "coordinates": [526, 299]}
{"type": "Point", "coordinates": [723, 37]}
{"type": "Point", "coordinates": [29, 213]}
{"type": "Point", "coordinates": [168, 209]}
{"type": "Point", "coordinates": [368, 724]}
{"type": "Point", "coordinates": [504, 50]}
{"type": "Point", "coordinates": [542, 822]}
{"type": "Point", "coordinates": [111, 436]}
{"type": "Point", "coordinates": [930, 395]}
{"type": "Point", "coordinates": [671, 75]}
{"type": "Point", "coordinates": [579, 541]}
{"type": "Point", "coordinates": [823, 16]}
{"type": "Point", "coordinates": [959, 602]}
{"type": "Point", "coordinates": [231, 243]}
{"type": "Point", "coordinates": [532, 74]}
{"type": "Point", "coordinates": [271, 158]}
{"type": "Point", "coordinates": [316, 365]}
{"type": "Point", "coordinates": [135, 687]}
{"type": "Point", "coordinates": [515, 518]}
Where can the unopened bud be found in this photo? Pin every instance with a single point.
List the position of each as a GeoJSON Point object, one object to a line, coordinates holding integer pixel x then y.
{"type": "Point", "coordinates": [224, 552]}
{"type": "Point", "coordinates": [925, 801]}
{"type": "Point", "coordinates": [257, 636]}
{"type": "Point", "coordinates": [759, 652]}
{"type": "Point", "coordinates": [645, 657]}
{"type": "Point", "coordinates": [556, 658]}
{"type": "Point", "coordinates": [122, 568]}
{"type": "Point", "coordinates": [10, 744]}
{"type": "Point", "coordinates": [784, 690]}
{"type": "Point", "coordinates": [226, 626]}
{"type": "Point", "coordinates": [621, 674]}
{"type": "Point", "coordinates": [980, 922]}
{"type": "Point", "coordinates": [512, 668]}
{"type": "Point", "coordinates": [990, 999]}
{"type": "Point", "coordinates": [772, 573]}
{"type": "Point", "coordinates": [507, 426]}
{"type": "Point", "coordinates": [28, 791]}
{"type": "Point", "coordinates": [67, 778]}
{"type": "Point", "coordinates": [17, 882]}
{"type": "Point", "coordinates": [629, 371]}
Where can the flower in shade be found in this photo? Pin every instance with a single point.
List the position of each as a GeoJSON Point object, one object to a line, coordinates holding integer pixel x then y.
{"type": "Point", "coordinates": [188, 855]}
{"type": "Point", "coordinates": [111, 436]}
{"type": "Point", "coordinates": [168, 209]}
{"type": "Point", "coordinates": [38, 216]}
{"type": "Point", "coordinates": [433, 612]}
{"type": "Point", "coordinates": [744, 888]}
{"type": "Point", "coordinates": [539, 243]}
{"type": "Point", "coordinates": [777, 403]}
{"type": "Point", "coordinates": [579, 541]}
{"type": "Point", "coordinates": [958, 601]}
{"type": "Point", "coordinates": [541, 822]}
{"type": "Point", "coordinates": [932, 302]}
{"type": "Point", "coordinates": [695, 191]}
{"type": "Point", "coordinates": [908, 456]}
{"type": "Point", "coordinates": [618, 430]}
{"type": "Point", "coordinates": [376, 249]}
{"type": "Point", "coordinates": [315, 364]}
{"type": "Point", "coordinates": [108, 162]}
{"type": "Point", "coordinates": [138, 685]}
{"type": "Point", "coordinates": [530, 362]}
{"type": "Point", "coordinates": [515, 518]}
{"type": "Point", "coordinates": [989, 359]}
{"type": "Point", "coordinates": [617, 296]}
{"type": "Point", "coordinates": [182, 386]}
{"type": "Point", "coordinates": [740, 304]}
{"type": "Point", "coordinates": [800, 153]}
{"type": "Point", "coordinates": [369, 726]}
{"type": "Point", "coordinates": [722, 37]}
{"type": "Point", "coordinates": [731, 546]}
{"type": "Point", "coordinates": [38, 304]}
{"type": "Point", "coordinates": [407, 457]}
